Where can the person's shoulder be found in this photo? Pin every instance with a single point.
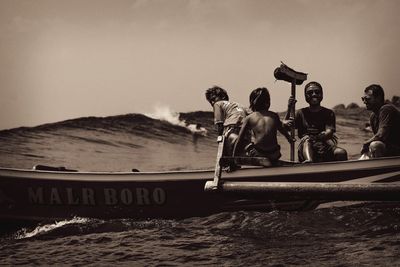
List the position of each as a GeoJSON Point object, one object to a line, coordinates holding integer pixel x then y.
{"type": "Point", "coordinates": [389, 108]}
{"type": "Point", "coordinates": [268, 113]}
{"type": "Point", "coordinates": [232, 104]}
{"type": "Point", "coordinates": [221, 103]}
{"type": "Point", "coordinates": [253, 117]}
{"type": "Point", "coordinates": [326, 110]}
{"type": "Point", "coordinates": [302, 111]}
{"type": "Point", "coordinates": [272, 113]}
{"type": "Point", "coordinates": [217, 104]}
{"type": "Point", "coordinates": [254, 114]}
{"type": "Point", "coordinates": [275, 114]}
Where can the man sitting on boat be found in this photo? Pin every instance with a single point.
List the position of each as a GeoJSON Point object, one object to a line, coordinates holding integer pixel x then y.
{"type": "Point", "coordinates": [263, 124]}
{"type": "Point", "coordinates": [316, 126]}
{"type": "Point", "coordinates": [228, 116]}
{"type": "Point", "coordinates": [385, 124]}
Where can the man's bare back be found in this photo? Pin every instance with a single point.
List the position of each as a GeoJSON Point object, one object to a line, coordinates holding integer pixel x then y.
{"type": "Point", "coordinates": [264, 125]}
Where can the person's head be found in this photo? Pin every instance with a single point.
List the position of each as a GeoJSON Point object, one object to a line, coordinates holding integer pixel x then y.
{"type": "Point", "coordinates": [215, 94]}
{"type": "Point", "coordinates": [260, 99]}
{"type": "Point", "coordinates": [374, 97]}
{"type": "Point", "coordinates": [313, 93]}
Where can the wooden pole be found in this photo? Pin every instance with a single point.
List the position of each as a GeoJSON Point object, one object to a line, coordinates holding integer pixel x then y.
{"type": "Point", "coordinates": [213, 185]}
{"type": "Point", "coordinates": [313, 191]}
{"type": "Point", "coordinates": [292, 116]}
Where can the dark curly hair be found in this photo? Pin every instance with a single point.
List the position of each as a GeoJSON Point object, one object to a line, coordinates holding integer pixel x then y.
{"type": "Point", "coordinates": [216, 93]}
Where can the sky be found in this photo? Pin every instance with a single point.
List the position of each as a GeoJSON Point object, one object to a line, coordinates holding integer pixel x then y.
{"type": "Point", "coordinates": [64, 59]}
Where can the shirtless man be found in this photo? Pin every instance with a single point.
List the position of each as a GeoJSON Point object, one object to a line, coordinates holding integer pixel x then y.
{"type": "Point", "coordinates": [263, 124]}
{"type": "Point", "coordinates": [385, 124]}
{"type": "Point", "coordinates": [316, 126]}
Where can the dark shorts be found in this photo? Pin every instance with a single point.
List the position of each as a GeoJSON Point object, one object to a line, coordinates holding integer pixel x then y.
{"type": "Point", "coordinates": [252, 151]}
{"type": "Point", "coordinates": [323, 150]}
{"type": "Point", "coordinates": [231, 133]}
{"type": "Point", "coordinates": [392, 150]}
{"type": "Point", "coordinates": [231, 129]}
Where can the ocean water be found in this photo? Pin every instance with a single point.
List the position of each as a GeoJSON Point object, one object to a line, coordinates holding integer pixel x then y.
{"type": "Point", "coordinates": [360, 234]}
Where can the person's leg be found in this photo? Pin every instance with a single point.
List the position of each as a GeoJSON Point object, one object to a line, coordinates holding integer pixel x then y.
{"type": "Point", "coordinates": [308, 153]}
{"type": "Point", "coordinates": [339, 154]}
{"type": "Point", "coordinates": [230, 144]}
{"type": "Point", "coordinates": [377, 149]}
{"type": "Point", "coordinates": [230, 140]}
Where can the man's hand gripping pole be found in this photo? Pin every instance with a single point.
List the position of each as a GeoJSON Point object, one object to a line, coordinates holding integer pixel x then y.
{"type": "Point", "coordinates": [284, 73]}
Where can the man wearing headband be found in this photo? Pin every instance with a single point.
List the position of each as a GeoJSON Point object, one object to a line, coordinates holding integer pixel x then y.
{"type": "Point", "coordinates": [385, 124]}
{"type": "Point", "coordinates": [263, 125]}
{"type": "Point", "coordinates": [316, 126]}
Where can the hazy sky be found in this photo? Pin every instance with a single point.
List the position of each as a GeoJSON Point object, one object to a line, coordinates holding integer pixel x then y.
{"type": "Point", "coordinates": [63, 59]}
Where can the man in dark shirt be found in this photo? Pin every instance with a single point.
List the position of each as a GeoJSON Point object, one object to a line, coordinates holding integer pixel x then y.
{"type": "Point", "coordinates": [385, 124]}
{"type": "Point", "coordinates": [316, 126]}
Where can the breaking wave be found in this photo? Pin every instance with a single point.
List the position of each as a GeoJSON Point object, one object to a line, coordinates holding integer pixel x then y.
{"type": "Point", "coordinates": [47, 228]}
{"type": "Point", "coordinates": [160, 141]}
{"type": "Point", "coordinates": [166, 114]}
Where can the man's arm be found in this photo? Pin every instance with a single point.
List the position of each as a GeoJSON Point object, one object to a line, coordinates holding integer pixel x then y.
{"type": "Point", "coordinates": [325, 135]}
{"type": "Point", "coordinates": [219, 127]}
{"type": "Point", "coordinates": [291, 103]}
{"type": "Point", "coordinates": [218, 118]}
{"type": "Point", "coordinates": [330, 128]}
{"type": "Point", "coordinates": [385, 122]}
{"type": "Point", "coordinates": [284, 131]}
{"type": "Point", "coordinates": [365, 147]}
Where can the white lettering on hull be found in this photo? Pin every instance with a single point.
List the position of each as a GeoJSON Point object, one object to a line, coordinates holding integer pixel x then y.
{"type": "Point", "coordinates": [90, 197]}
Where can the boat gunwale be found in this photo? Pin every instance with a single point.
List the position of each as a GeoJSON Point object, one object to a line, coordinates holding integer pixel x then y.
{"type": "Point", "coordinates": [193, 174]}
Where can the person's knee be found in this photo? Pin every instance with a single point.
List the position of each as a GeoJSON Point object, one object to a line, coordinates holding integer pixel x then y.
{"type": "Point", "coordinates": [377, 145]}
{"type": "Point", "coordinates": [340, 154]}
{"type": "Point", "coordinates": [307, 152]}
{"type": "Point", "coordinates": [377, 149]}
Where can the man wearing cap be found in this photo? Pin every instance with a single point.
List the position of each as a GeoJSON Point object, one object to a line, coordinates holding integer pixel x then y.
{"type": "Point", "coordinates": [385, 124]}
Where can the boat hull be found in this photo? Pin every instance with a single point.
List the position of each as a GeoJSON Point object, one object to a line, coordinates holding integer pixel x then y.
{"type": "Point", "coordinates": [46, 195]}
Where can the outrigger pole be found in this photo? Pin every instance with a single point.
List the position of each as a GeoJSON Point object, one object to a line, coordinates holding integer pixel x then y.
{"type": "Point", "coordinates": [369, 188]}
{"type": "Point", "coordinates": [313, 191]}
{"type": "Point", "coordinates": [213, 185]}
{"type": "Point", "coordinates": [284, 73]}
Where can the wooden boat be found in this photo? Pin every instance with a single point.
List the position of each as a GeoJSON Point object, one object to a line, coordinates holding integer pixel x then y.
{"type": "Point", "coordinates": [37, 195]}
